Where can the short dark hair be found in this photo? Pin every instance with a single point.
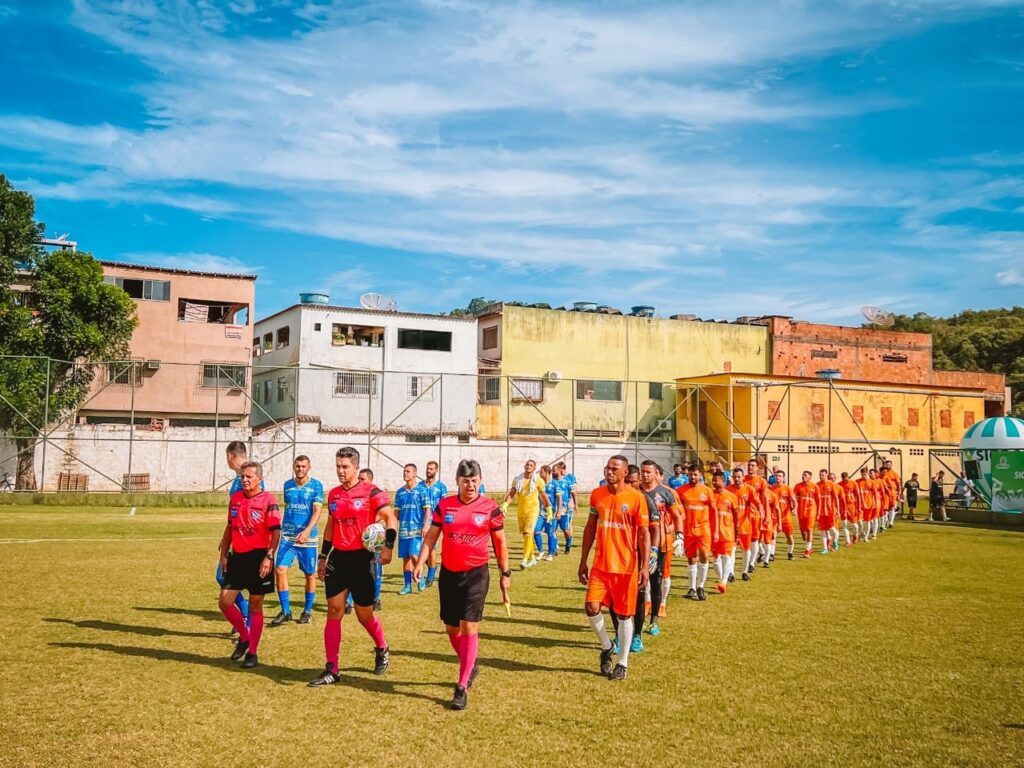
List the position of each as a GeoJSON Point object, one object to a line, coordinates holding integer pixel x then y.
{"type": "Point", "coordinates": [468, 468]}
{"type": "Point", "coordinates": [366, 471]}
{"type": "Point", "coordinates": [236, 448]}
{"type": "Point", "coordinates": [302, 457]}
{"type": "Point", "coordinates": [348, 452]}
{"type": "Point", "coordinates": [633, 469]}
{"type": "Point", "coordinates": [718, 473]}
{"type": "Point", "coordinates": [619, 457]}
{"type": "Point", "coordinates": [649, 463]}
{"type": "Point", "coordinates": [409, 465]}
{"type": "Point", "coordinates": [434, 463]}
{"type": "Point", "coordinates": [677, 466]}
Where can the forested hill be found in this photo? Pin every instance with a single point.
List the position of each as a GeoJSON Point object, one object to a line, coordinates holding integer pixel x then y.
{"type": "Point", "coordinates": [986, 340]}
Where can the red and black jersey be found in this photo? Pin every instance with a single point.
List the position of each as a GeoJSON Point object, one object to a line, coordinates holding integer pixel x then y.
{"type": "Point", "coordinates": [351, 510]}
{"type": "Point", "coordinates": [252, 520]}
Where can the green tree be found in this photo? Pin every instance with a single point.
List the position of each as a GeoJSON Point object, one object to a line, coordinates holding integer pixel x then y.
{"type": "Point", "coordinates": [474, 306]}
{"type": "Point", "coordinates": [53, 335]}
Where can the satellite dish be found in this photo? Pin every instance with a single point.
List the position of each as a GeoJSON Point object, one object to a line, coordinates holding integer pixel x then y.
{"type": "Point", "coordinates": [878, 316]}
{"type": "Point", "coordinates": [377, 301]}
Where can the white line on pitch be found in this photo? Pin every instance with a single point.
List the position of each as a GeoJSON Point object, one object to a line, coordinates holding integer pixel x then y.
{"type": "Point", "coordinates": [126, 540]}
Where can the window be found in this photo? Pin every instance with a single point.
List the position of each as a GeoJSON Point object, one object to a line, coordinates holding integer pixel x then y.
{"type": "Point", "coordinates": [818, 413]}
{"type": "Point", "coordinates": [421, 438]}
{"type": "Point", "coordinates": [125, 373]}
{"type": "Point", "coordinates": [150, 290]}
{"type": "Point", "coordinates": [536, 432]}
{"type": "Point", "coordinates": [355, 385]}
{"type": "Point", "coordinates": [344, 334]}
{"type": "Point", "coordinates": [858, 414]}
{"type": "Point", "coordinates": [913, 417]}
{"type": "Point", "coordinates": [829, 354]}
{"type": "Point", "coordinates": [463, 439]}
{"type": "Point", "coordinates": [257, 350]}
{"type": "Point", "coordinates": [489, 389]}
{"type": "Point", "coordinates": [531, 390]}
{"type": "Point", "coordinates": [784, 447]}
{"type": "Point", "coordinates": [490, 337]}
{"type": "Point", "coordinates": [894, 358]}
{"type": "Point", "coordinates": [202, 311]}
{"type": "Point", "coordinates": [773, 409]}
{"type": "Point", "coordinates": [257, 391]}
{"type": "Point", "coordinates": [224, 375]}
{"type": "Point", "coordinates": [917, 451]}
{"type": "Point", "coordinates": [654, 390]}
{"type": "Point", "coordinates": [282, 388]}
{"type": "Point", "coordinates": [946, 419]}
{"type": "Point", "coordinates": [608, 391]}
{"type": "Point", "coordinates": [268, 388]}
{"type": "Point", "coordinates": [283, 336]}
{"type": "Point", "coordinates": [432, 341]}
{"type": "Point", "coordinates": [268, 342]}
{"type": "Point", "coordinates": [886, 416]}
{"type": "Point", "coordinates": [968, 418]}
{"type": "Point", "coordinates": [422, 387]}
{"type": "Point", "coordinates": [316, 326]}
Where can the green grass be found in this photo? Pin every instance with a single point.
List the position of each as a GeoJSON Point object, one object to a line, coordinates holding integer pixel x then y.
{"type": "Point", "coordinates": [905, 651]}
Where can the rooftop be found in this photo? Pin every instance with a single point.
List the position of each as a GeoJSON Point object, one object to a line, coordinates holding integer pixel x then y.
{"type": "Point", "coordinates": [176, 271]}
{"type": "Point", "coordinates": [364, 311]}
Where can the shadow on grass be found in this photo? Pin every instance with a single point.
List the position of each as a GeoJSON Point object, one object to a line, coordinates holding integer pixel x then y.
{"type": "Point", "coordinates": [553, 626]}
{"type": "Point", "coordinates": [554, 608]}
{"type": "Point", "coordinates": [508, 665]}
{"type": "Point", "coordinates": [135, 629]}
{"type": "Point", "coordinates": [209, 615]}
{"type": "Point", "coordinates": [533, 642]}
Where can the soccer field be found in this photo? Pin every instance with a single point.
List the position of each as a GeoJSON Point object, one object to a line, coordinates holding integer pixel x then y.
{"type": "Point", "coordinates": [904, 651]}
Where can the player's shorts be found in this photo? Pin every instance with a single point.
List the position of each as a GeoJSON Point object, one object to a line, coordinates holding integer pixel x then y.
{"type": "Point", "coordinates": [463, 594]}
{"type": "Point", "coordinates": [768, 535]}
{"type": "Point", "coordinates": [787, 524]}
{"type": "Point", "coordinates": [353, 570]}
{"type": "Point", "coordinates": [613, 590]}
{"type": "Point", "coordinates": [409, 547]}
{"type": "Point", "coordinates": [289, 550]}
{"type": "Point", "coordinates": [695, 544]}
{"type": "Point", "coordinates": [565, 522]}
{"type": "Point", "coordinates": [723, 547]}
{"type": "Point", "coordinates": [743, 540]}
{"type": "Point", "coordinates": [868, 514]}
{"type": "Point", "coordinates": [528, 520]}
{"type": "Point", "coordinates": [826, 520]}
{"type": "Point", "coordinates": [243, 573]}
{"type": "Point", "coordinates": [806, 521]}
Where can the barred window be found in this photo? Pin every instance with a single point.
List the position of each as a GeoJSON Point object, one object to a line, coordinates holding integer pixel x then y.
{"type": "Point", "coordinates": [531, 390]}
{"type": "Point", "coordinates": [355, 385]}
{"type": "Point", "coordinates": [224, 375]}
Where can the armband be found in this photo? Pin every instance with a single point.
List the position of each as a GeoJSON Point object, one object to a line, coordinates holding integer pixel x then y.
{"type": "Point", "coordinates": [325, 548]}
{"type": "Point", "coordinates": [390, 536]}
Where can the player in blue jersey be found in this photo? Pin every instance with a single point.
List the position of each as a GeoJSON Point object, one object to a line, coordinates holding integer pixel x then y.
{"type": "Point", "coordinates": [679, 477]}
{"type": "Point", "coordinates": [303, 502]}
{"type": "Point", "coordinates": [563, 521]}
{"type": "Point", "coordinates": [433, 490]}
{"type": "Point", "coordinates": [236, 455]}
{"type": "Point", "coordinates": [413, 523]}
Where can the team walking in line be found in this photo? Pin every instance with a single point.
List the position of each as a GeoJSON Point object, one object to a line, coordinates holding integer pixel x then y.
{"type": "Point", "coordinates": [635, 515]}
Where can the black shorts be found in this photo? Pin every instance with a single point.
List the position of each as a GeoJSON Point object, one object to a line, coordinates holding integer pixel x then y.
{"type": "Point", "coordinates": [243, 573]}
{"type": "Point", "coordinates": [463, 594]}
{"type": "Point", "coordinates": [352, 570]}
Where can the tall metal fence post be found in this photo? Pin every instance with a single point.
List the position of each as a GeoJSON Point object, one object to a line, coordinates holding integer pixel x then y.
{"type": "Point", "coordinates": [572, 425]}
{"type": "Point", "coordinates": [126, 485]}
{"type": "Point", "coordinates": [636, 422]}
{"type": "Point", "coordinates": [508, 431]}
{"type": "Point", "coordinates": [295, 413]}
{"type": "Point", "coordinates": [440, 418]}
{"type": "Point", "coordinates": [216, 428]}
{"type": "Point", "coordinates": [829, 465]}
{"type": "Point", "coordinates": [46, 426]}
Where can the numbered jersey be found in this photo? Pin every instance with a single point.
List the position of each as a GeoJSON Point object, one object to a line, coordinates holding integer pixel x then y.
{"type": "Point", "coordinates": [299, 501]}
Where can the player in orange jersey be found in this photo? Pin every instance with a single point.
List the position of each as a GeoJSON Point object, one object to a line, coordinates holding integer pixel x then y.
{"type": "Point", "coordinates": [787, 505]}
{"type": "Point", "coordinates": [868, 503]}
{"type": "Point", "coordinates": [727, 511]}
{"type": "Point", "coordinates": [761, 489]}
{"type": "Point", "coordinates": [698, 535]}
{"type": "Point", "coordinates": [841, 515]}
{"type": "Point", "coordinates": [807, 502]}
{"type": "Point", "coordinates": [618, 524]}
{"type": "Point", "coordinates": [828, 511]}
{"type": "Point", "coordinates": [880, 500]}
{"type": "Point", "coordinates": [894, 488]}
{"type": "Point", "coordinates": [745, 530]}
{"type": "Point", "coordinates": [851, 507]}
{"type": "Point", "coordinates": [769, 528]}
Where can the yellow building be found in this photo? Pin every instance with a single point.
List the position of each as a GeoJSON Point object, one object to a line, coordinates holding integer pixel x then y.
{"type": "Point", "coordinates": [587, 375]}
{"type": "Point", "coordinates": [800, 423]}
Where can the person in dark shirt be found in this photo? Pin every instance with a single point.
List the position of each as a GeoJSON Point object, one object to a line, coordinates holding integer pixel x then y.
{"type": "Point", "coordinates": [910, 488]}
{"type": "Point", "coordinates": [936, 499]}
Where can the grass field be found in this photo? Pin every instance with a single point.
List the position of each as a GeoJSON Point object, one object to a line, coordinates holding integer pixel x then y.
{"type": "Point", "coordinates": [905, 651]}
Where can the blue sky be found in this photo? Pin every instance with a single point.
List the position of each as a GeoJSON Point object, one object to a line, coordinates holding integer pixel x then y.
{"type": "Point", "coordinates": [725, 158]}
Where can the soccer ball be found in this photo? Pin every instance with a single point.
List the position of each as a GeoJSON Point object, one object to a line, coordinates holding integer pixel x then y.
{"type": "Point", "coordinates": [373, 537]}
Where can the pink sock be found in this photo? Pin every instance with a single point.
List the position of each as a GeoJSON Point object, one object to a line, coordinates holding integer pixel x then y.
{"type": "Point", "coordinates": [467, 659]}
{"type": "Point", "coordinates": [332, 642]}
{"type": "Point", "coordinates": [376, 631]}
{"type": "Point", "coordinates": [456, 641]}
{"type": "Point", "coordinates": [235, 617]}
{"type": "Point", "coordinates": [255, 630]}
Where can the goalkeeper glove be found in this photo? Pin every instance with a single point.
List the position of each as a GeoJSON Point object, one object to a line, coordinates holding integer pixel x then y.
{"type": "Point", "coordinates": [677, 546]}
{"type": "Point", "coordinates": [652, 561]}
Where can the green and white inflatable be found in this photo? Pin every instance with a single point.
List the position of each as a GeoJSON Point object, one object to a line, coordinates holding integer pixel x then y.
{"type": "Point", "coordinates": [997, 445]}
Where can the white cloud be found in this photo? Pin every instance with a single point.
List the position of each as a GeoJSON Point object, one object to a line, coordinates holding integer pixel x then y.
{"type": "Point", "coordinates": [1010, 277]}
{"type": "Point", "coordinates": [200, 262]}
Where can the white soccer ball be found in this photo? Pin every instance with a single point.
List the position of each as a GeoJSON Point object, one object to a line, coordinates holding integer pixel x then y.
{"type": "Point", "coordinates": [373, 537]}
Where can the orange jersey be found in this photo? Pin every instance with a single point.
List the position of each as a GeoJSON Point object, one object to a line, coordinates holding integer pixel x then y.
{"type": "Point", "coordinates": [868, 502]}
{"type": "Point", "coordinates": [786, 499]}
{"type": "Point", "coordinates": [851, 498]}
{"type": "Point", "coordinates": [620, 518]}
{"type": "Point", "coordinates": [892, 484]}
{"type": "Point", "coordinates": [770, 519]}
{"type": "Point", "coordinates": [746, 503]}
{"type": "Point", "coordinates": [807, 500]}
{"type": "Point", "coordinates": [880, 494]}
{"type": "Point", "coordinates": [831, 497]}
{"type": "Point", "coordinates": [698, 510]}
{"type": "Point", "coordinates": [761, 489]}
{"type": "Point", "coordinates": [728, 509]}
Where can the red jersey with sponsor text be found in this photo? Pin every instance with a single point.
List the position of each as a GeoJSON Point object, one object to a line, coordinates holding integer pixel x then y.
{"type": "Point", "coordinates": [351, 510]}
{"type": "Point", "coordinates": [466, 530]}
{"type": "Point", "coordinates": [252, 520]}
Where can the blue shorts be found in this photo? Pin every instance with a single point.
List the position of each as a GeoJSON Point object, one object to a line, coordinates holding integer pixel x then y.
{"type": "Point", "coordinates": [565, 524]}
{"type": "Point", "coordinates": [409, 547]}
{"type": "Point", "coordinates": [288, 551]}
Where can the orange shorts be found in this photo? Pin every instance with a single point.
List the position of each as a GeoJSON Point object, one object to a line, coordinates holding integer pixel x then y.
{"type": "Point", "coordinates": [806, 522]}
{"type": "Point", "coordinates": [869, 515]}
{"type": "Point", "coordinates": [768, 536]}
{"type": "Point", "coordinates": [615, 591]}
{"type": "Point", "coordinates": [826, 521]}
{"type": "Point", "coordinates": [787, 525]}
{"type": "Point", "coordinates": [695, 544]}
{"type": "Point", "coordinates": [723, 547]}
{"type": "Point", "coordinates": [744, 540]}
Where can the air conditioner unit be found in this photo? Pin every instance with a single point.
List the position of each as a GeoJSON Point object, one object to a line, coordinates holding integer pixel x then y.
{"type": "Point", "coordinates": [554, 375]}
{"type": "Point", "coordinates": [152, 365]}
{"type": "Point", "coordinates": [665, 425]}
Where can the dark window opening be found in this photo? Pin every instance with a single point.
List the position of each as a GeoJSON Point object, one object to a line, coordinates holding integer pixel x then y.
{"type": "Point", "coordinates": [344, 334]}
{"type": "Point", "coordinates": [224, 375]}
{"type": "Point", "coordinates": [830, 354]}
{"type": "Point", "coordinates": [150, 290]}
{"type": "Point", "coordinates": [431, 341]}
{"type": "Point", "coordinates": [894, 358]}
{"type": "Point", "coordinates": [217, 312]}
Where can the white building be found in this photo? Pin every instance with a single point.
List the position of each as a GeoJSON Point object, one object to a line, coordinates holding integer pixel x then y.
{"type": "Point", "coordinates": [366, 371]}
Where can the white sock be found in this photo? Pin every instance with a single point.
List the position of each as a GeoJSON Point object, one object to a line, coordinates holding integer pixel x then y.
{"type": "Point", "coordinates": [792, 546]}
{"type": "Point", "coordinates": [625, 638]}
{"type": "Point", "coordinates": [846, 531]}
{"type": "Point", "coordinates": [730, 566]}
{"type": "Point", "coordinates": [771, 550]}
{"type": "Point", "coordinates": [824, 540]}
{"type": "Point", "coordinates": [597, 622]}
{"type": "Point", "coordinates": [747, 560]}
{"type": "Point", "coordinates": [835, 535]}
{"type": "Point", "coordinates": [702, 574]}
{"type": "Point", "coordinates": [665, 586]}
{"type": "Point", "coordinates": [693, 576]}
{"type": "Point", "coordinates": [720, 568]}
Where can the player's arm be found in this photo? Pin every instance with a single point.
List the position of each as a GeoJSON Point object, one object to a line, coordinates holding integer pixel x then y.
{"type": "Point", "coordinates": [589, 534]}
{"type": "Point", "coordinates": [511, 494]}
{"type": "Point", "coordinates": [314, 521]}
{"type": "Point", "coordinates": [426, 548]}
{"type": "Point", "coordinates": [225, 544]}
{"type": "Point", "coordinates": [645, 555]}
{"type": "Point", "coordinates": [268, 560]}
{"type": "Point", "coordinates": [325, 548]}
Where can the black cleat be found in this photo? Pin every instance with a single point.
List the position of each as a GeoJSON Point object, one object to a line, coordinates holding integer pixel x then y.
{"type": "Point", "coordinates": [691, 594]}
{"type": "Point", "coordinates": [745, 576]}
{"type": "Point", "coordinates": [606, 662]}
{"type": "Point", "coordinates": [251, 660]}
{"type": "Point", "coordinates": [771, 558]}
{"type": "Point", "coordinates": [460, 699]}
{"type": "Point", "coordinates": [732, 577]}
{"type": "Point", "coordinates": [327, 677]}
{"type": "Point", "coordinates": [701, 594]}
{"type": "Point", "coordinates": [305, 618]}
{"type": "Point", "coordinates": [619, 673]}
{"type": "Point", "coordinates": [765, 565]}
{"type": "Point", "coordinates": [241, 648]}
{"type": "Point", "coordinates": [376, 604]}
{"type": "Point", "coordinates": [381, 659]}
{"type": "Point", "coordinates": [281, 618]}
{"type": "Point", "coordinates": [472, 676]}
{"type": "Point", "coordinates": [789, 556]}
{"type": "Point", "coordinates": [760, 556]}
